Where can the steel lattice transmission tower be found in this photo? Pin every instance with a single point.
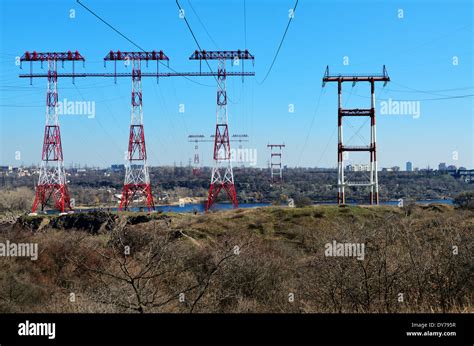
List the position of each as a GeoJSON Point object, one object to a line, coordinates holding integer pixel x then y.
{"type": "Point", "coordinates": [52, 177]}
{"type": "Point", "coordinates": [357, 112]}
{"type": "Point", "coordinates": [196, 162]}
{"type": "Point", "coordinates": [276, 151]}
{"type": "Point", "coordinates": [137, 178]}
{"type": "Point", "coordinates": [222, 175]}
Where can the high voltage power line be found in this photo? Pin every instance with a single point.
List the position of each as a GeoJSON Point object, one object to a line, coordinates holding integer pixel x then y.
{"type": "Point", "coordinates": [132, 42]}
{"type": "Point", "coordinates": [202, 24]}
{"type": "Point", "coordinates": [279, 46]}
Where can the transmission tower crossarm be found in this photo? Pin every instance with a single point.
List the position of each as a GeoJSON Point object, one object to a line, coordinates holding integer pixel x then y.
{"type": "Point", "coordinates": [143, 56]}
{"type": "Point", "coordinates": [222, 55]}
{"type": "Point", "coordinates": [58, 56]}
{"type": "Point", "coordinates": [144, 74]}
{"type": "Point", "coordinates": [354, 78]}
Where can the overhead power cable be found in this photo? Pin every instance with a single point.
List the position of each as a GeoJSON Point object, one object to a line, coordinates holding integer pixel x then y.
{"type": "Point", "coordinates": [279, 46]}
{"type": "Point", "coordinates": [110, 26]}
{"type": "Point", "coordinates": [202, 24]}
{"type": "Point", "coordinates": [132, 42]}
{"type": "Point", "coordinates": [245, 24]}
{"type": "Point", "coordinates": [194, 37]}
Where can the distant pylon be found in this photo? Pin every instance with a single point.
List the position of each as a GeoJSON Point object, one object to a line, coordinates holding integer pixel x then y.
{"type": "Point", "coordinates": [222, 175]}
{"type": "Point", "coordinates": [137, 178]}
{"type": "Point", "coordinates": [197, 165]}
{"type": "Point", "coordinates": [276, 161]}
{"type": "Point", "coordinates": [52, 177]}
{"type": "Point", "coordinates": [196, 162]}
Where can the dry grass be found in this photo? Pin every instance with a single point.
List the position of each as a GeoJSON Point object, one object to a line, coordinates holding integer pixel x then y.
{"type": "Point", "coordinates": [252, 260]}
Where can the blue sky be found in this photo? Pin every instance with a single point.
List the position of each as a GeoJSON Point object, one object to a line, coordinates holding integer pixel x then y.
{"type": "Point", "coordinates": [417, 49]}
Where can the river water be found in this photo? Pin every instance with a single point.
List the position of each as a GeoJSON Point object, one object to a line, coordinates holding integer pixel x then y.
{"type": "Point", "coordinates": [199, 208]}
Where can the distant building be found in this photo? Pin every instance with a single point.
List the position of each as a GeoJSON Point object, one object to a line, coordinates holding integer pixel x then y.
{"type": "Point", "coordinates": [442, 166]}
{"type": "Point", "coordinates": [391, 169]}
{"type": "Point", "coordinates": [358, 167]}
{"type": "Point", "coordinates": [451, 168]}
{"type": "Point", "coordinates": [409, 167]}
{"type": "Point", "coordinates": [117, 168]}
{"type": "Point", "coordinates": [466, 175]}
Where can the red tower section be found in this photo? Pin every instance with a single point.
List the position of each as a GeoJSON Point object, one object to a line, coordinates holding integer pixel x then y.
{"type": "Point", "coordinates": [52, 184]}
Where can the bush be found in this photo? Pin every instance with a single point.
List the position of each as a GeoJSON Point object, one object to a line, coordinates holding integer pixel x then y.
{"type": "Point", "coordinates": [301, 202]}
{"type": "Point", "coordinates": [465, 200]}
{"type": "Point", "coordinates": [19, 199]}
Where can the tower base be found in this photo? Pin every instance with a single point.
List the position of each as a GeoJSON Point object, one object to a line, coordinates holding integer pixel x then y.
{"type": "Point", "coordinates": [59, 193]}
{"type": "Point", "coordinates": [214, 192]}
{"type": "Point", "coordinates": [130, 191]}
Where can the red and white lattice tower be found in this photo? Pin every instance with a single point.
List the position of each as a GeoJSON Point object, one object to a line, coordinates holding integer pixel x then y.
{"type": "Point", "coordinates": [137, 186]}
{"type": "Point", "coordinates": [222, 176]}
{"type": "Point", "coordinates": [357, 112]}
{"type": "Point", "coordinates": [196, 162]}
{"type": "Point", "coordinates": [52, 184]}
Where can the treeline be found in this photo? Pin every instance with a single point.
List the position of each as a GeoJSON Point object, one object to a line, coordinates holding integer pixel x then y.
{"type": "Point", "coordinates": [98, 187]}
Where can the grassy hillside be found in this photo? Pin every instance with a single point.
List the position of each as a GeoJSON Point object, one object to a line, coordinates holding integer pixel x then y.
{"type": "Point", "coordinates": [417, 259]}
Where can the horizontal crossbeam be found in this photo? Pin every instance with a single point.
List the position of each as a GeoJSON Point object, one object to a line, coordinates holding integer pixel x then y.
{"type": "Point", "coordinates": [356, 112]}
{"type": "Point", "coordinates": [357, 148]}
{"type": "Point", "coordinates": [358, 184]}
{"type": "Point", "coordinates": [356, 77]}
{"type": "Point", "coordinates": [45, 56]}
{"type": "Point", "coordinates": [153, 55]}
{"type": "Point", "coordinates": [143, 74]}
{"type": "Point", "coordinates": [221, 54]}
{"type": "Point", "coordinates": [195, 140]}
